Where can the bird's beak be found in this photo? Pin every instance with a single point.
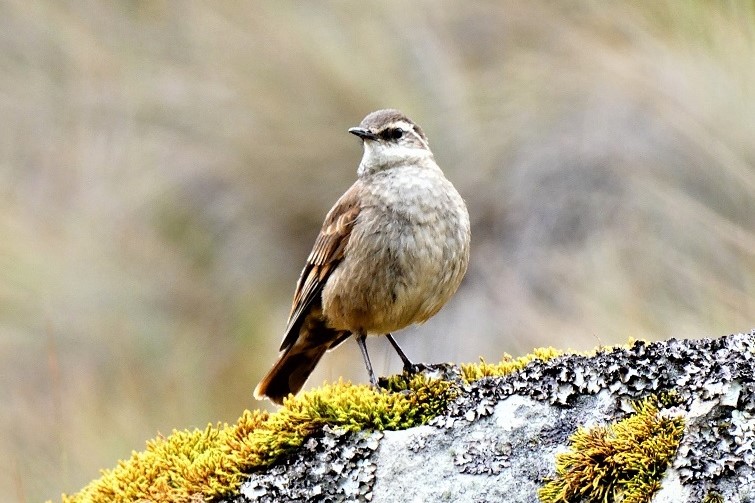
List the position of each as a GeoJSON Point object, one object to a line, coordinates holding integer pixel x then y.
{"type": "Point", "coordinates": [364, 134]}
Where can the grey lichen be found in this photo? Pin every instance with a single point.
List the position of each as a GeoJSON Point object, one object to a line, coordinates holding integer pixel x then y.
{"type": "Point", "coordinates": [479, 456]}
{"type": "Point", "coordinates": [333, 466]}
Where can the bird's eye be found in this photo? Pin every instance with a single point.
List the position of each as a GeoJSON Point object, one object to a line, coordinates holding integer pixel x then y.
{"type": "Point", "coordinates": [391, 133]}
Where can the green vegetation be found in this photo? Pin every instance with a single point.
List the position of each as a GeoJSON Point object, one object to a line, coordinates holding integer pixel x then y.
{"type": "Point", "coordinates": [713, 497]}
{"type": "Point", "coordinates": [624, 461]}
{"type": "Point", "coordinates": [202, 464]}
{"type": "Point", "coordinates": [475, 371]}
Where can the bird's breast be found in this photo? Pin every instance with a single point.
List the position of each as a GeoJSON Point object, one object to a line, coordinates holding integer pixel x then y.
{"type": "Point", "coordinates": [406, 256]}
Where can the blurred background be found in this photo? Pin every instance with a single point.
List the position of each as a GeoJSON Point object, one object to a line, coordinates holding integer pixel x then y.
{"type": "Point", "coordinates": [165, 167]}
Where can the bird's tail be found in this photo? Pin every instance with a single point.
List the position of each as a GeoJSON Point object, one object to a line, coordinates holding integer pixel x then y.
{"type": "Point", "coordinates": [299, 358]}
{"type": "Point", "coordinates": [290, 372]}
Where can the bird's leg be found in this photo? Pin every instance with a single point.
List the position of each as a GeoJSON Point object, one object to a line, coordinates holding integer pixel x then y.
{"type": "Point", "coordinates": [360, 337]}
{"type": "Point", "coordinates": [409, 367]}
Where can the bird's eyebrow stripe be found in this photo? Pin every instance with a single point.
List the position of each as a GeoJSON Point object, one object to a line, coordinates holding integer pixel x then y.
{"type": "Point", "coordinates": [419, 137]}
{"type": "Point", "coordinates": [406, 126]}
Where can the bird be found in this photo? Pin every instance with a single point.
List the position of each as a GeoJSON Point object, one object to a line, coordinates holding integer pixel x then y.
{"type": "Point", "coordinates": [391, 252]}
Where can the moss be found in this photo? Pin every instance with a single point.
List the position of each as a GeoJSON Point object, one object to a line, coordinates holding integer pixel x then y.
{"type": "Point", "coordinates": [180, 467]}
{"type": "Point", "coordinates": [476, 371]}
{"type": "Point", "coordinates": [713, 497]}
{"type": "Point", "coordinates": [624, 461]}
{"type": "Point", "coordinates": [202, 464]}
{"type": "Point", "coordinates": [197, 465]}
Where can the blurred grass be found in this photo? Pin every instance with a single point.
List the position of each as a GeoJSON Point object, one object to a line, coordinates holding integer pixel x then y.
{"type": "Point", "coordinates": [165, 166]}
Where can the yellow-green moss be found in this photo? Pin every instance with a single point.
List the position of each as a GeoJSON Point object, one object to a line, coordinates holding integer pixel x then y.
{"type": "Point", "coordinates": [476, 371]}
{"type": "Point", "coordinates": [713, 497]}
{"type": "Point", "coordinates": [198, 465]}
{"type": "Point", "coordinates": [624, 461]}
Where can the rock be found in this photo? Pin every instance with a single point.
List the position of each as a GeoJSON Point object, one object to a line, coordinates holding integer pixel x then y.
{"type": "Point", "coordinates": [500, 439]}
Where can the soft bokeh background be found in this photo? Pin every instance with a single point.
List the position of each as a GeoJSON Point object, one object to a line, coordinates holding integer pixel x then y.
{"type": "Point", "coordinates": [165, 167]}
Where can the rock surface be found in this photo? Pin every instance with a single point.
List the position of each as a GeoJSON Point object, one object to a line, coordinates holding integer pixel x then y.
{"type": "Point", "coordinates": [498, 441]}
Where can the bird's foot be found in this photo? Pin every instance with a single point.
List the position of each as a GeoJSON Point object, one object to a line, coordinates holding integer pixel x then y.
{"type": "Point", "coordinates": [414, 368]}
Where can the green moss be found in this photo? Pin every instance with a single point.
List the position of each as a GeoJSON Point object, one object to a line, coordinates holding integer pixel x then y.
{"type": "Point", "coordinates": [476, 371]}
{"type": "Point", "coordinates": [713, 497]}
{"type": "Point", "coordinates": [624, 461]}
{"type": "Point", "coordinates": [201, 464]}
{"type": "Point", "coordinates": [198, 465]}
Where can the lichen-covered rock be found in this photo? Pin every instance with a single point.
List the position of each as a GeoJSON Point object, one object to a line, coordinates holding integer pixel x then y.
{"type": "Point", "coordinates": [507, 438]}
{"type": "Point", "coordinates": [332, 465]}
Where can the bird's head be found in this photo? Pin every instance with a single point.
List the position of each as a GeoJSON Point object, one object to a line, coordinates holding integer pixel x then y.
{"type": "Point", "coordinates": [390, 139]}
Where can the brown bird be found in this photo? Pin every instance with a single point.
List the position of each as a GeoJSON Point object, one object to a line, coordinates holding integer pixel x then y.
{"type": "Point", "coordinates": [391, 252]}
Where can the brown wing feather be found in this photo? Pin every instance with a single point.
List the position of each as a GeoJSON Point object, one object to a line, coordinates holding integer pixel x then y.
{"type": "Point", "coordinates": [325, 256]}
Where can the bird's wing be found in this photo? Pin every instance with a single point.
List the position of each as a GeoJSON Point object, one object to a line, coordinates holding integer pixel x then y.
{"type": "Point", "coordinates": [327, 253]}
